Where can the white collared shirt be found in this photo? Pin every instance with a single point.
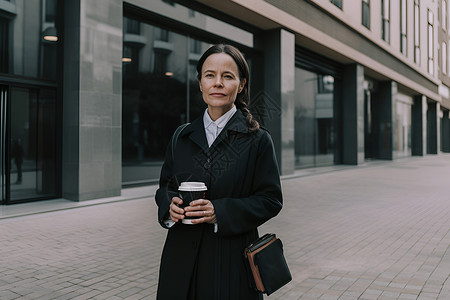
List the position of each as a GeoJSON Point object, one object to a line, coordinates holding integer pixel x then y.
{"type": "Point", "coordinates": [213, 128]}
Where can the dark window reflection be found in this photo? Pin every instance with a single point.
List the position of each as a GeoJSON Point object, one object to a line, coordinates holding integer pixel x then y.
{"type": "Point", "coordinates": [160, 62]}
{"type": "Point", "coordinates": [160, 87]}
{"type": "Point", "coordinates": [195, 46]}
{"type": "Point", "coordinates": [163, 35]}
{"type": "Point", "coordinates": [160, 92]}
{"type": "Point", "coordinates": [4, 45]}
{"type": "Point", "coordinates": [33, 144]}
{"type": "Point", "coordinates": [366, 13]}
{"type": "Point", "coordinates": [132, 26]}
{"type": "Point", "coordinates": [32, 50]}
{"type": "Point", "coordinates": [50, 10]}
{"type": "Point", "coordinates": [314, 118]}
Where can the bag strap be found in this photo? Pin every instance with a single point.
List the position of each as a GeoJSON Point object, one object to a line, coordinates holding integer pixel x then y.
{"type": "Point", "coordinates": [175, 137]}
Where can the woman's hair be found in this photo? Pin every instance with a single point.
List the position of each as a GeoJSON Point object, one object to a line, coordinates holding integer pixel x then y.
{"type": "Point", "coordinates": [243, 98]}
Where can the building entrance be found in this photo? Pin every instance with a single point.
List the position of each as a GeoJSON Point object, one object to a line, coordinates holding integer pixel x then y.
{"type": "Point", "coordinates": [2, 143]}
{"type": "Point", "coordinates": [28, 144]}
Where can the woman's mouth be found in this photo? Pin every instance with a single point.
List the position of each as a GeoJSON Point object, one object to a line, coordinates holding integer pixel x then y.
{"type": "Point", "coordinates": [217, 94]}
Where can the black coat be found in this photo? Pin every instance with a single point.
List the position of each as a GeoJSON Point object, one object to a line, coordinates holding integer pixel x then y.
{"type": "Point", "coordinates": [242, 177]}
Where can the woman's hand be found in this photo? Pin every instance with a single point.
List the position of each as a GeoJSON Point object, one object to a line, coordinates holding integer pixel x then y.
{"type": "Point", "coordinates": [176, 213]}
{"type": "Point", "coordinates": [202, 210]}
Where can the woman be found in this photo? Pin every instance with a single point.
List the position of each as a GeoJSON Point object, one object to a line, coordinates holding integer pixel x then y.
{"type": "Point", "coordinates": [205, 260]}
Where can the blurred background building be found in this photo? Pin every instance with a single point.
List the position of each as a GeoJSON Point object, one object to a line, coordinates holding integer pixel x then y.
{"type": "Point", "coordinates": [91, 91]}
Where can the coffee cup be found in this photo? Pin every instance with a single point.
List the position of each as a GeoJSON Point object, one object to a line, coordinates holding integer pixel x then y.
{"type": "Point", "coordinates": [189, 191]}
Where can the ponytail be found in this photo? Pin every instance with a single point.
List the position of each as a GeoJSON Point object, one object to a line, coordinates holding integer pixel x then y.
{"type": "Point", "coordinates": [252, 124]}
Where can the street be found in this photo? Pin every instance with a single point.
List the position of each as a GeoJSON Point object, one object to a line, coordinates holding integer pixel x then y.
{"type": "Point", "coordinates": [376, 231]}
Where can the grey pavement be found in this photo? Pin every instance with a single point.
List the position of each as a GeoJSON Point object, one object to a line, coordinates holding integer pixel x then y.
{"type": "Point", "coordinates": [376, 231]}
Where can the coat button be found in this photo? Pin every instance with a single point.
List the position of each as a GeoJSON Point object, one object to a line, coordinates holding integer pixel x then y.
{"type": "Point", "coordinates": [207, 164]}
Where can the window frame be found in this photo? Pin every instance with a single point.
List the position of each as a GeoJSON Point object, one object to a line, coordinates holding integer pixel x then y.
{"type": "Point", "coordinates": [404, 27]}
{"type": "Point", "coordinates": [444, 55]}
{"type": "Point", "coordinates": [385, 20]}
{"type": "Point", "coordinates": [430, 41]}
{"type": "Point", "coordinates": [417, 31]}
{"type": "Point", "coordinates": [444, 14]}
{"type": "Point", "coordinates": [365, 7]}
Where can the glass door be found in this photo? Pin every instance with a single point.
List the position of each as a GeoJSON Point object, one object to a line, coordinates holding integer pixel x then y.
{"type": "Point", "coordinates": [32, 138]}
{"type": "Point", "coordinates": [28, 131]}
{"type": "Point", "coordinates": [314, 119]}
{"type": "Point", "coordinates": [3, 160]}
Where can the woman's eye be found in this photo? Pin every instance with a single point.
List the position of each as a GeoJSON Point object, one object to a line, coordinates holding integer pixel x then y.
{"type": "Point", "coordinates": [209, 75]}
{"type": "Point", "coordinates": [228, 77]}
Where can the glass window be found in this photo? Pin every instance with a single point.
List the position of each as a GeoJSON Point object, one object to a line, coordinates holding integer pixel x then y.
{"type": "Point", "coordinates": [314, 118]}
{"type": "Point", "coordinates": [154, 102]}
{"type": "Point", "coordinates": [160, 62]}
{"type": "Point", "coordinates": [430, 42]}
{"type": "Point", "coordinates": [163, 35]}
{"type": "Point", "coordinates": [3, 142]}
{"type": "Point", "coordinates": [160, 87]}
{"type": "Point", "coordinates": [28, 43]}
{"type": "Point", "coordinates": [402, 143]}
{"type": "Point", "coordinates": [338, 3]}
{"type": "Point", "coordinates": [416, 31]}
{"type": "Point", "coordinates": [444, 57]}
{"type": "Point", "coordinates": [33, 144]}
{"type": "Point", "coordinates": [448, 58]}
{"type": "Point", "coordinates": [130, 60]}
{"type": "Point", "coordinates": [385, 20]}
{"type": "Point", "coordinates": [195, 46]}
{"type": "Point", "coordinates": [403, 27]}
{"type": "Point", "coordinates": [50, 11]}
{"type": "Point", "coordinates": [4, 60]}
{"type": "Point", "coordinates": [160, 92]}
{"type": "Point", "coordinates": [132, 26]}
{"type": "Point", "coordinates": [184, 18]}
{"type": "Point", "coordinates": [444, 14]}
{"type": "Point", "coordinates": [366, 13]}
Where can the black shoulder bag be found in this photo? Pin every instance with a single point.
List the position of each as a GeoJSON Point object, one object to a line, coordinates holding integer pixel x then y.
{"type": "Point", "coordinates": [267, 265]}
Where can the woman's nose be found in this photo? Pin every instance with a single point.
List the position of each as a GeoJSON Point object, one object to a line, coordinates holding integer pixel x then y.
{"type": "Point", "coordinates": [219, 81]}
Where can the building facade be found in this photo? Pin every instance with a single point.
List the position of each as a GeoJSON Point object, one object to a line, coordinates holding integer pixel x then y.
{"type": "Point", "coordinates": [91, 91]}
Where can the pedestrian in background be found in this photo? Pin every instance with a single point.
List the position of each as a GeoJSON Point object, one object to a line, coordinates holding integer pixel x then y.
{"type": "Point", "coordinates": [17, 153]}
{"type": "Point", "coordinates": [228, 151]}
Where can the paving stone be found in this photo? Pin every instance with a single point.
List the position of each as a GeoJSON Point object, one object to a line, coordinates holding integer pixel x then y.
{"type": "Point", "coordinates": [376, 231]}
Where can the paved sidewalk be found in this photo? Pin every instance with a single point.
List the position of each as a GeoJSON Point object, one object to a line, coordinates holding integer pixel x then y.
{"type": "Point", "coordinates": [379, 231]}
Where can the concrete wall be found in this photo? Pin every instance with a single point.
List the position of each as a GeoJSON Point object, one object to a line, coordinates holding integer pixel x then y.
{"type": "Point", "coordinates": [353, 115]}
{"type": "Point", "coordinates": [279, 85]}
{"type": "Point", "coordinates": [432, 126]}
{"type": "Point", "coordinates": [445, 126]}
{"type": "Point", "coordinates": [385, 121]}
{"type": "Point", "coordinates": [418, 126]}
{"type": "Point", "coordinates": [92, 106]}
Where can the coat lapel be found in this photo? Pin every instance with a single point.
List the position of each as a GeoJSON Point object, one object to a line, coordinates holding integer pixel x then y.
{"type": "Point", "coordinates": [196, 131]}
{"type": "Point", "coordinates": [237, 123]}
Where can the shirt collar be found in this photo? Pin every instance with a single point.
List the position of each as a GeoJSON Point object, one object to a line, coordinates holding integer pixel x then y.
{"type": "Point", "coordinates": [220, 122]}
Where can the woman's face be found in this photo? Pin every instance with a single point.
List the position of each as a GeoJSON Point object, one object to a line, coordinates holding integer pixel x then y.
{"type": "Point", "coordinates": [220, 82]}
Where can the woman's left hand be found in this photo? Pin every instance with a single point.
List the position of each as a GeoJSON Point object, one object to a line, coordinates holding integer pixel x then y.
{"type": "Point", "coordinates": [202, 210]}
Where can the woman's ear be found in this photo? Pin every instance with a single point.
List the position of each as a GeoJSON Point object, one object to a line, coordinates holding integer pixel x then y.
{"type": "Point", "coordinates": [241, 86]}
{"type": "Point", "coordinates": [200, 85]}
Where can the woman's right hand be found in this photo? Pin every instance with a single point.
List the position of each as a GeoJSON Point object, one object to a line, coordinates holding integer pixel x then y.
{"type": "Point", "coordinates": [176, 212]}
